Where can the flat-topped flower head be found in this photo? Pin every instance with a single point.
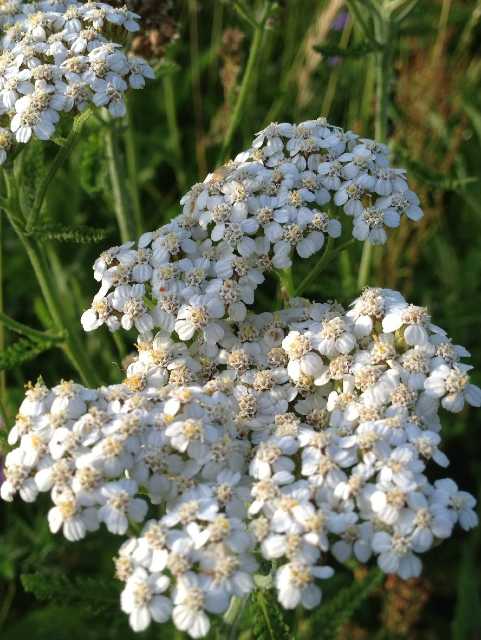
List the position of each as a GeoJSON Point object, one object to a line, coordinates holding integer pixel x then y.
{"type": "Point", "coordinates": [304, 432]}
{"type": "Point", "coordinates": [258, 212]}
{"type": "Point", "coordinates": [58, 58]}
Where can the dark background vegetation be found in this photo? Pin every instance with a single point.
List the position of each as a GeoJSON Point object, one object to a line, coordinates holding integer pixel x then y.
{"type": "Point", "coordinates": [178, 126]}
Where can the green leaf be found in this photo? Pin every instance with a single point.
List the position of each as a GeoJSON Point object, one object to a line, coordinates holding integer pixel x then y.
{"type": "Point", "coordinates": [80, 234]}
{"type": "Point", "coordinates": [355, 51]}
{"type": "Point", "coordinates": [22, 351]}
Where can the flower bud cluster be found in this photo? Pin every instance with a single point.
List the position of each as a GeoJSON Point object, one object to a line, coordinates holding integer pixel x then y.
{"type": "Point", "coordinates": [304, 437]}
{"type": "Point", "coordinates": [59, 56]}
{"type": "Point", "coordinates": [247, 218]}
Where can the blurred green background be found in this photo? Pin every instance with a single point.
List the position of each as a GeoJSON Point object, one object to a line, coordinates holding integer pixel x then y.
{"type": "Point", "coordinates": [313, 60]}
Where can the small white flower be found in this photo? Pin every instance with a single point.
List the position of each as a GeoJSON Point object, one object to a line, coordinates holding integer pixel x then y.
{"type": "Point", "coordinates": [120, 505]}
{"type": "Point", "coordinates": [141, 600]}
{"type": "Point", "coordinates": [295, 584]}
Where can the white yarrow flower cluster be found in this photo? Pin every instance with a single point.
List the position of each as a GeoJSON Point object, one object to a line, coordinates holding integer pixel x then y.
{"type": "Point", "coordinates": [58, 57]}
{"type": "Point", "coordinates": [305, 436]}
{"type": "Point", "coordinates": [251, 216]}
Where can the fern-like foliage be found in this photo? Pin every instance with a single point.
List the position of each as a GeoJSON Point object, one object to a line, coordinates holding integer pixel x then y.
{"type": "Point", "coordinates": [22, 351]}
{"type": "Point", "coordinates": [68, 233]}
{"type": "Point", "coordinates": [93, 594]}
{"type": "Point", "coordinates": [30, 169]}
{"type": "Point", "coordinates": [268, 621]}
{"type": "Point", "coordinates": [342, 606]}
{"type": "Point", "coordinates": [93, 172]}
{"type": "Point", "coordinates": [355, 51]}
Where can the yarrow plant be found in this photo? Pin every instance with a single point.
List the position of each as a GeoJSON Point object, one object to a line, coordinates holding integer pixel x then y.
{"type": "Point", "coordinates": [297, 439]}
{"type": "Point", "coordinates": [303, 437]}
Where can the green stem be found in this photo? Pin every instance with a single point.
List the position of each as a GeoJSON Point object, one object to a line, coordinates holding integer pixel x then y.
{"type": "Point", "coordinates": [233, 615]}
{"type": "Point", "coordinates": [215, 41]}
{"type": "Point", "coordinates": [3, 411]}
{"type": "Point", "coordinates": [58, 162]}
{"type": "Point", "coordinates": [72, 345]}
{"type": "Point", "coordinates": [247, 80]}
{"type": "Point", "coordinates": [384, 61]}
{"type": "Point", "coordinates": [334, 76]}
{"type": "Point", "coordinates": [174, 133]}
{"type": "Point", "coordinates": [197, 94]}
{"type": "Point", "coordinates": [286, 289]}
{"type": "Point", "coordinates": [365, 266]}
{"type": "Point", "coordinates": [133, 171]}
{"type": "Point", "coordinates": [24, 330]}
{"type": "Point", "coordinates": [3, 385]}
{"type": "Point", "coordinates": [358, 14]}
{"type": "Point", "coordinates": [55, 305]}
{"type": "Point", "coordinates": [117, 181]}
{"type": "Point", "coordinates": [326, 258]}
{"type": "Point", "coordinates": [262, 605]}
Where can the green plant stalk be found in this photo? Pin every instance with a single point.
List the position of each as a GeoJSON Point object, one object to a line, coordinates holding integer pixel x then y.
{"type": "Point", "coordinates": [117, 181]}
{"type": "Point", "coordinates": [24, 330]}
{"type": "Point", "coordinates": [174, 133]}
{"type": "Point", "coordinates": [247, 81]}
{"type": "Point", "coordinates": [215, 42]}
{"type": "Point", "coordinates": [71, 344]}
{"type": "Point", "coordinates": [327, 257]}
{"type": "Point", "coordinates": [3, 385]}
{"type": "Point", "coordinates": [59, 161]}
{"type": "Point", "coordinates": [197, 95]}
{"type": "Point", "coordinates": [133, 171]}
{"type": "Point", "coordinates": [383, 61]}
{"type": "Point", "coordinates": [262, 605]}
{"type": "Point", "coordinates": [334, 76]}
{"type": "Point", "coordinates": [286, 282]}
